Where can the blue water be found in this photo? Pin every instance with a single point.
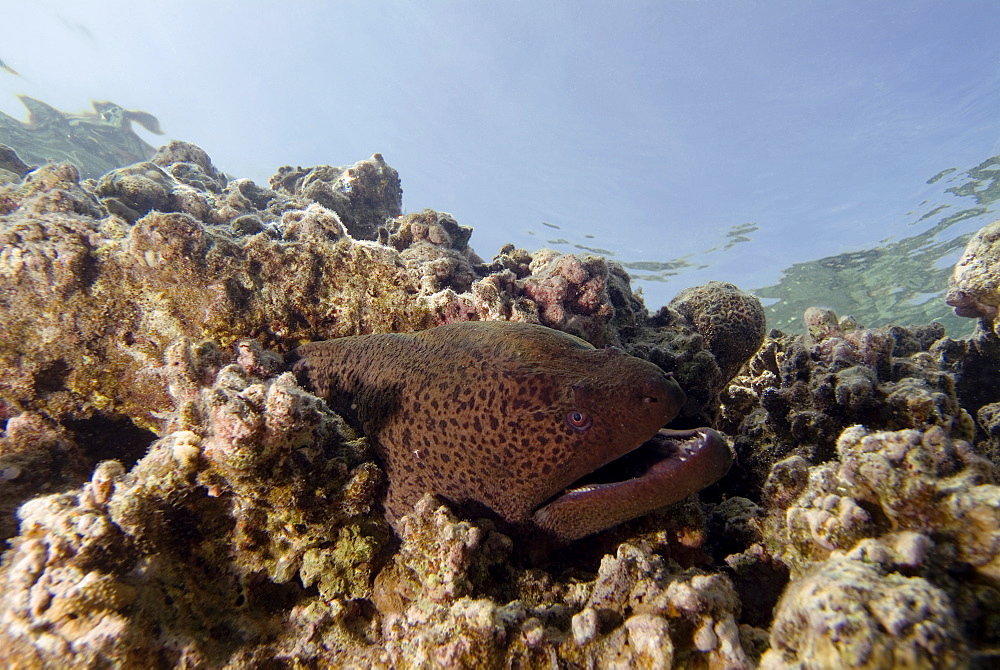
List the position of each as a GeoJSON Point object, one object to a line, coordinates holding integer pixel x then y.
{"type": "Point", "coordinates": [689, 141]}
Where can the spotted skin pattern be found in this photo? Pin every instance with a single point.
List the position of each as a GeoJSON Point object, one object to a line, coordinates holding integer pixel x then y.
{"type": "Point", "coordinates": [489, 414]}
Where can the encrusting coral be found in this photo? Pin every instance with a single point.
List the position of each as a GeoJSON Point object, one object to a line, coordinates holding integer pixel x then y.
{"type": "Point", "coordinates": [975, 285]}
{"type": "Point", "coordinates": [914, 503]}
{"type": "Point", "coordinates": [183, 502]}
{"type": "Point", "coordinates": [851, 614]}
{"type": "Point", "coordinates": [259, 483]}
{"type": "Point", "coordinates": [798, 393]}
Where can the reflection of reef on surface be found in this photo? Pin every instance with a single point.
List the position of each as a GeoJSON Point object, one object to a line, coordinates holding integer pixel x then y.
{"type": "Point", "coordinates": [663, 271]}
{"type": "Point", "coordinates": [8, 69]}
{"type": "Point", "coordinates": [897, 283]}
{"type": "Point", "coordinates": [95, 142]}
{"type": "Point", "coordinates": [902, 282]}
{"type": "Point", "coordinates": [174, 498]}
{"type": "Point", "coordinates": [739, 234]}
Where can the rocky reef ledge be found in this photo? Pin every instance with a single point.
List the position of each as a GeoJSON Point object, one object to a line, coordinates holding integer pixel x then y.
{"type": "Point", "coordinates": [171, 497]}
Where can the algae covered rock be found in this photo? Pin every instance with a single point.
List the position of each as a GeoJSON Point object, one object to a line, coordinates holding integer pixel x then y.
{"type": "Point", "coordinates": [36, 455]}
{"type": "Point", "coordinates": [435, 248]}
{"type": "Point", "coordinates": [798, 393]}
{"type": "Point", "coordinates": [850, 614]}
{"type": "Point", "coordinates": [884, 483]}
{"type": "Point", "coordinates": [364, 195]}
{"type": "Point", "coordinates": [905, 504]}
{"type": "Point", "coordinates": [224, 525]}
{"type": "Point", "coordinates": [637, 611]}
{"type": "Point", "coordinates": [171, 249]}
{"type": "Point", "coordinates": [136, 190]}
{"type": "Point", "coordinates": [128, 291]}
{"type": "Point", "coordinates": [975, 284]}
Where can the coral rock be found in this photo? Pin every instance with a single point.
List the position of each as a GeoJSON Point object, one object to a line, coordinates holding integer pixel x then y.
{"type": "Point", "coordinates": [849, 614]}
{"type": "Point", "coordinates": [975, 284]}
{"type": "Point", "coordinates": [440, 556]}
{"type": "Point", "coordinates": [435, 248]}
{"type": "Point", "coordinates": [35, 456]}
{"type": "Point", "coordinates": [364, 195]}
{"type": "Point", "coordinates": [730, 320]}
{"type": "Point", "coordinates": [259, 484]}
{"type": "Point", "coordinates": [798, 393]}
{"type": "Point", "coordinates": [888, 481]}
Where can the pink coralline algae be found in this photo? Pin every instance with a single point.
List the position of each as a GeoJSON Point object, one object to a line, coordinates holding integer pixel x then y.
{"type": "Point", "coordinates": [573, 294]}
{"type": "Point", "coordinates": [172, 497]}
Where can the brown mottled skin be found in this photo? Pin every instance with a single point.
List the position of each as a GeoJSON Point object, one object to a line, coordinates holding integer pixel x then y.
{"type": "Point", "coordinates": [505, 416]}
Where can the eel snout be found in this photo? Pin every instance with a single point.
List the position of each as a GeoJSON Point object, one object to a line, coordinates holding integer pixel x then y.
{"type": "Point", "coordinates": [663, 390]}
{"type": "Point", "coordinates": [652, 398]}
{"type": "Point", "coordinates": [669, 467]}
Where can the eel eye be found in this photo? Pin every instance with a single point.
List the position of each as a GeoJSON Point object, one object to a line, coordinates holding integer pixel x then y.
{"type": "Point", "coordinates": [578, 421]}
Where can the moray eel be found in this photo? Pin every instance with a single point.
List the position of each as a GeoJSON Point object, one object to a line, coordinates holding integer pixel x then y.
{"type": "Point", "coordinates": [505, 417]}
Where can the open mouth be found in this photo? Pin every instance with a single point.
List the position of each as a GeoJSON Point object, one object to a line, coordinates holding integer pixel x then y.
{"type": "Point", "coordinates": [667, 468]}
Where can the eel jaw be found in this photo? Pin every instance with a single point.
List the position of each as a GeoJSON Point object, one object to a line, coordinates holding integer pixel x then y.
{"type": "Point", "coordinates": [687, 461]}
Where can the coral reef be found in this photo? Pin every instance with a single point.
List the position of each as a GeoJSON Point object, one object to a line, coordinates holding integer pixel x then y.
{"type": "Point", "coordinates": [798, 393]}
{"type": "Point", "coordinates": [975, 284]}
{"type": "Point", "coordinates": [169, 249]}
{"type": "Point", "coordinates": [850, 614]}
{"type": "Point", "coordinates": [257, 484]}
{"type": "Point", "coordinates": [364, 195]}
{"type": "Point", "coordinates": [173, 497]}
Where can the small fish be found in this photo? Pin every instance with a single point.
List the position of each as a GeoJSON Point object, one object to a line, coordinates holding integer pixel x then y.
{"type": "Point", "coordinates": [508, 417]}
